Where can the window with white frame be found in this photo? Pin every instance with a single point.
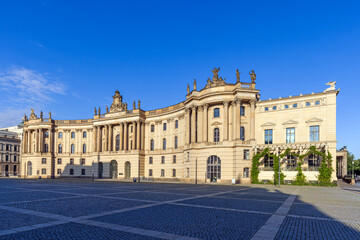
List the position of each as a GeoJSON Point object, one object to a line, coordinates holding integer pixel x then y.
{"type": "Point", "coordinates": [314, 133]}
{"type": "Point", "coordinates": [290, 135]}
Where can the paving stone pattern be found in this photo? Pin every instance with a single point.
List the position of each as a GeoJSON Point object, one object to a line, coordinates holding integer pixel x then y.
{"type": "Point", "coordinates": [82, 209]}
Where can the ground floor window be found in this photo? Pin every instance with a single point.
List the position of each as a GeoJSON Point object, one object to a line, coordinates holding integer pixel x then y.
{"type": "Point", "coordinates": [268, 163]}
{"type": "Point", "coordinates": [213, 168]}
{"type": "Point", "coordinates": [43, 171]}
{"type": "Point", "coordinates": [71, 171]}
{"type": "Point", "coordinates": [290, 162]}
{"type": "Point", "coordinates": [59, 171]}
{"type": "Point", "coordinates": [83, 172]}
{"type": "Point", "coordinates": [162, 173]}
{"type": "Point", "coordinates": [150, 172]}
{"type": "Point", "coordinates": [313, 162]}
{"type": "Point", "coordinates": [174, 173]}
{"type": "Point", "coordinates": [246, 172]}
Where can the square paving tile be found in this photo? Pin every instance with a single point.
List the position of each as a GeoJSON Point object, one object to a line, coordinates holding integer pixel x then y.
{"type": "Point", "coordinates": [301, 228]}
{"type": "Point", "coordinates": [191, 221]}
{"type": "Point", "coordinates": [78, 206]}
{"type": "Point", "coordinates": [75, 231]}
{"type": "Point", "coordinates": [30, 196]}
{"type": "Point", "coordinates": [9, 219]}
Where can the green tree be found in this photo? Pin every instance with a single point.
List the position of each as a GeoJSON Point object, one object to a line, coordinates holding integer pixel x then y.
{"type": "Point", "coordinates": [350, 159]}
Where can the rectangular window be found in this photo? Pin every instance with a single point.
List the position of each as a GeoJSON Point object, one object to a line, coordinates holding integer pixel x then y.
{"type": "Point", "coordinates": [59, 171]}
{"type": "Point", "coordinates": [84, 134]}
{"type": "Point", "coordinates": [216, 112]}
{"type": "Point", "coordinates": [162, 173]}
{"type": "Point", "coordinates": [242, 133]}
{"type": "Point", "coordinates": [314, 133]}
{"type": "Point", "coordinates": [152, 128]}
{"type": "Point", "coordinates": [46, 148]}
{"type": "Point", "coordinates": [246, 154]}
{"type": "Point", "coordinates": [246, 172]}
{"type": "Point", "coordinates": [164, 144]}
{"type": "Point", "coordinates": [164, 126]}
{"type": "Point", "coordinates": [150, 160]}
{"type": "Point", "coordinates": [174, 158]}
{"type": "Point", "coordinates": [162, 159]}
{"type": "Point", "coordinates": [150, 172]}
{"type": "Point", "coordinates": [174, 173]}
{"type": "Point", "coordinates": [268, 162]}
{"type": "Point", "coordinates": [72, 134]}
{"type": "Point", "coordinates": [43, 160]}
{"type": "Point", "coordinates": [268, 136]}
{"type": "Point", "coordinates": [15, 159]}
{"type": "Point", "coordinates": [59, 161]}
{"type": "Point", "coordinates": [290, 135]}
{"type": "Point", "coordinates": [71, 171]}
{"type": "Point", "coordinates": [176, 143]}
{"type": "Point", "coordinates": [46, 134]}
{"type": "Point", "coordinates": [176, 123]}
{"type": "Point", "coordinates": [71, 161]}
{"type": "Point", "coordinates": [60, 135]}
{"type": "Point", "coordinates": [82, 161]}
{"type": "Point", "coordinates": [151, 145]}
{"type": "Point", "coordinates": [83, 172]}
{"type": "Point", "coordinates": [242, 111]}
{"type": "Point", "coordinates": [7, 157]}
{"type": "Point", "coordinates": [43, 171]}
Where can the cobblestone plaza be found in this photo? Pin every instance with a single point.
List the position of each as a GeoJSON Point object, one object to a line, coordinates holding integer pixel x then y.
{"type": "Point", "coordinates": [81, 209]}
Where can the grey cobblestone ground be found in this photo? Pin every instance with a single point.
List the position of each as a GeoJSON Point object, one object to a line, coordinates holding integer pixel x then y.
{"type": "Point", "coordinates": [81, 209]}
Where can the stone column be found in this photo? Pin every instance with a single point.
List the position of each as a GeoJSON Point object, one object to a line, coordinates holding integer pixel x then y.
{"type": "Point", "coordinates": [193, 124]}
{"type": "Point", "coordinates": [143, 136]}
{"type": "Point", "coordinates": [125, 136]}
{"type": "Point", "coordinates": [94, 136]}
{"type": "Point", "coordinates": [138, 135]}
{"type": "Point", "coordinates": [133, 136]}
{"type": "Point", "coordinates": [200, 123]}
{"type": "Point", "coordinates": [51, 142]}
{"type": "Point", "coordinates": [99, 140]}
{"type": "Point", "coordinates": [187, 126]}
{"type": "Point", "coordinates": [24, 141]}
{"type": "Point", "coordinates": [121, 147]}
{"type": "Point", "coordinates": [111, 137]}
{"type": "Point", "coordinates": [252, 120]}
{"type": "Point", "coordinates": [37, 140]}
{"type": "Point", "coordinates": [238, 103]}
{"type": "Point", "coordinates": [233, 106]}
{"type": "Point", "coordinates": [226, 120]}
{"type": "Point", "coordinates": [205, 123]}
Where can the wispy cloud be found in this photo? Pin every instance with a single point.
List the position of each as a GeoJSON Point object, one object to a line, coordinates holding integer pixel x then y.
{"type": "Point", "coordinates": [23, 89]}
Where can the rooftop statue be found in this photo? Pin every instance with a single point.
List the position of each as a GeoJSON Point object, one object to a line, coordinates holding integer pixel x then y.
{"type": "Point", "coordinates": [41, 114]}
{"type": "Point", "coordinates": [107, 109]}
{"type": "Point", "coordinates": [332, 86]}
{"type": "Point", "coordinates": [215, 71]}
{"type": "Point", "coordinates": [49, 115]}
{"type": "Point", "coordinates": [188, 89]}
{"type": "Point", "coordinates": [99, 112]}
{"type": "Point", "coordinates": [117, 104]}
{"type": "Point", "coordinates": [139, 104]}
{"type": "Point", "coordinates": [252, 76]}
{"type": "Point", "coordinates": [32, 114]}
{"type": "Point", "coordinates": [95, 112]}
{"type": "Point", "coordinates": [237, 75]}
{"type": "Point", "coordinates": [134, 105]}
{"type": "Point", "coordinates": [194, 84]}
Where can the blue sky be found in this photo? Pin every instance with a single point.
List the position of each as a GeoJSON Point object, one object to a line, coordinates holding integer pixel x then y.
{"type": "Point", "coordinates": [69, 56]}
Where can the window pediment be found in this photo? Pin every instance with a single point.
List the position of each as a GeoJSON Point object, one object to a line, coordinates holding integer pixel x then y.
{"type": "Point", "coordinates": [314, 120]}
{"type": "Point", "coordinates": [268, 124]}
{"type": "Point", "coordinates": [290, 122]}
{"type": "Point", "coordinates": [216, 123]}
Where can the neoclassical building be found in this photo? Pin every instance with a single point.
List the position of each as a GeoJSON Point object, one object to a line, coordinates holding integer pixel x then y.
{"type": "Point", "coordinates": [209, 137]}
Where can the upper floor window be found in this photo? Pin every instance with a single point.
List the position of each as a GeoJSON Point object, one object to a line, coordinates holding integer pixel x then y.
{"type": "Point", "coordinates": [46, 146]}
{"type": "Point", "coordinates": [164, 143]}
{"type": "Point", "coordinates": [59, 161]}
{"type": "Point", "coordinates": [266, 109]}
{"type": "Point", "coordinates": [268, 136]}
{"type": "Point", "coordinates": [314, 133]}
{"type": "Point", "coordinates": [84, 134]}
{"type": "Point", "coordinates": [274, 107]}
{"type": "Point", "coordinates": [307, 104]}
{"type": "Point", "coordinates": [82, 161]}
{"type": "Point", "coordinates": [216, 135]}
{"type": "Point", "coordinates": [176, 142]}
{"type": "Point", "coordinates": [162, 159]}
{"type": "Point", "coordinates": [46, 134]}
{"type": "Point", "coordinates": [71, 161]}
{"type": "Point", "coordinates": [176, 123]}
{"type": "Point", "coordinates": [174, 158]}
{"type": "Point", "coordinates": [317, 103]}
{"type": "Point", "coordinates": [60, 148]}
{"type": "Point", "coordinates": [286, 106]}
{"type": "Point", "coordinates": [174, 173]}
{"type": "Point", "coordinates": [150, 160]}
{"type": "Point", "coordinates": [60, 135]}
{"type": "Point", "coordinates": [295, 105]}
{"type": "Point", "coordinates": [152, 128]}
{"type": "Point", "coordinates": [290, 135]}
{"type": "Point", "coordinates": [72, 134]}
{"type": "Point", "coordinates": [246, 154]}
{"type": "Point", "coordinates": [72, 148]}
{"type": "Point", "coordinates": [84, 148]}
{"type": "Point", "coordinates": [117, 142]}
{"type": "Point", "coordinates": [242, 133]}
{"type": "Point", "coordinates": [152, 145]}
{"type": "Point", "coordinates": [43, 161]}
{"type": "Point", "coordinates": [216, 112]}
{"type": "Point", "coordinates": [242, 111]}
{"type": "Point", "coordinates": [164, 126]}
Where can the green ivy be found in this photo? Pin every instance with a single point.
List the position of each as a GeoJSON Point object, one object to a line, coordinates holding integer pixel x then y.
{"type": "Point", "coordinates": [255, 165]}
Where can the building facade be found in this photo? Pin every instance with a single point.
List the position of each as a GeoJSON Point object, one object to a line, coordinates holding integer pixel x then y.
{"type": "Point", "coordinates": [10, 154]}
{"type": "Point", "coordinates": [209, 137]}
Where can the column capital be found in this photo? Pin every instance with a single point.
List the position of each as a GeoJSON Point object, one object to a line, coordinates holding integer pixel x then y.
{"type": "Point", "coordinates": [226, 103]}
{"type": "Point", "coordinates": [252, 102]}
{"type": "Point", "coordinates": [193, 107]}
{"type": "Point", "coordinates": [238, 101]}
{"type": "Point", "coordinates": [187, 110]}
{"type": "Point", "coordinates": [205, 106]}
{"type": "Point", "coordinates": [200, 108]}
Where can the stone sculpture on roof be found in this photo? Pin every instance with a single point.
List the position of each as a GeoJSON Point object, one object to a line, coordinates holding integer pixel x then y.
{"type": "Point", "coordinates": [117, 104]}
{"type": "Point", "coordinates": [32, 114]}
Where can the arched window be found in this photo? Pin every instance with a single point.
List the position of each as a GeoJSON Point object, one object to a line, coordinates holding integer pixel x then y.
{"type": "Point", "coordinates": [216, 135]}
{"type": "Point", "coordinates": [216, 112]}
{"type": "Point", "coordinates": [164, 126]}
{"type": "Point", "coordinates": [29, 168]}
{"type": "Point", "coordinates": [84, 148]}
{"type": "Point", "coordinates": [176, 143]}
{"type": "Point", "coordinates": [176, 123]}
{"type": "Point", "coordinates": [152, 145]}
{"type": "Point", "coordinates": [213, 168]}
{"type": "Point", "coordinates": [164, 143]}
{"type": "Point", "coordinates": [242, 111]}
{"type": "Point", "coordinates": [60, 148]}
{"type": "Point", "coordinates": [117, 142]}
{"type": "Point", "coordinates": [242, 133]}
{"type": "Point", "coordinates": [72, 148]}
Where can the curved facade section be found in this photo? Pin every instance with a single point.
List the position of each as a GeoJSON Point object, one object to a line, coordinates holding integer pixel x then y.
{"type": "Point", "coordinates": [221, 121]}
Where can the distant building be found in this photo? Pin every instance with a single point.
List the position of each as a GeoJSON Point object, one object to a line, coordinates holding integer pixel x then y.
{"type": "Point", "coordinates": [211, 136]}
{"type": "Point", "coordinates": [15, 129]}
{"type": "Point", "coordinates": [341, 162]}
{"type": "Point", "coordinates": [10, 153]}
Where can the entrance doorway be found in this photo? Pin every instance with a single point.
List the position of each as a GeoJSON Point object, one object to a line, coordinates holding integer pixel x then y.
{"type": "Point", "coordinates": [100, 170]}
{"type": "Point", "coordinates": [113, 169]}
{"type": "Point", "coordinates": [213, 168]}
{"type": "Point", "coordinates": [127, 169]}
